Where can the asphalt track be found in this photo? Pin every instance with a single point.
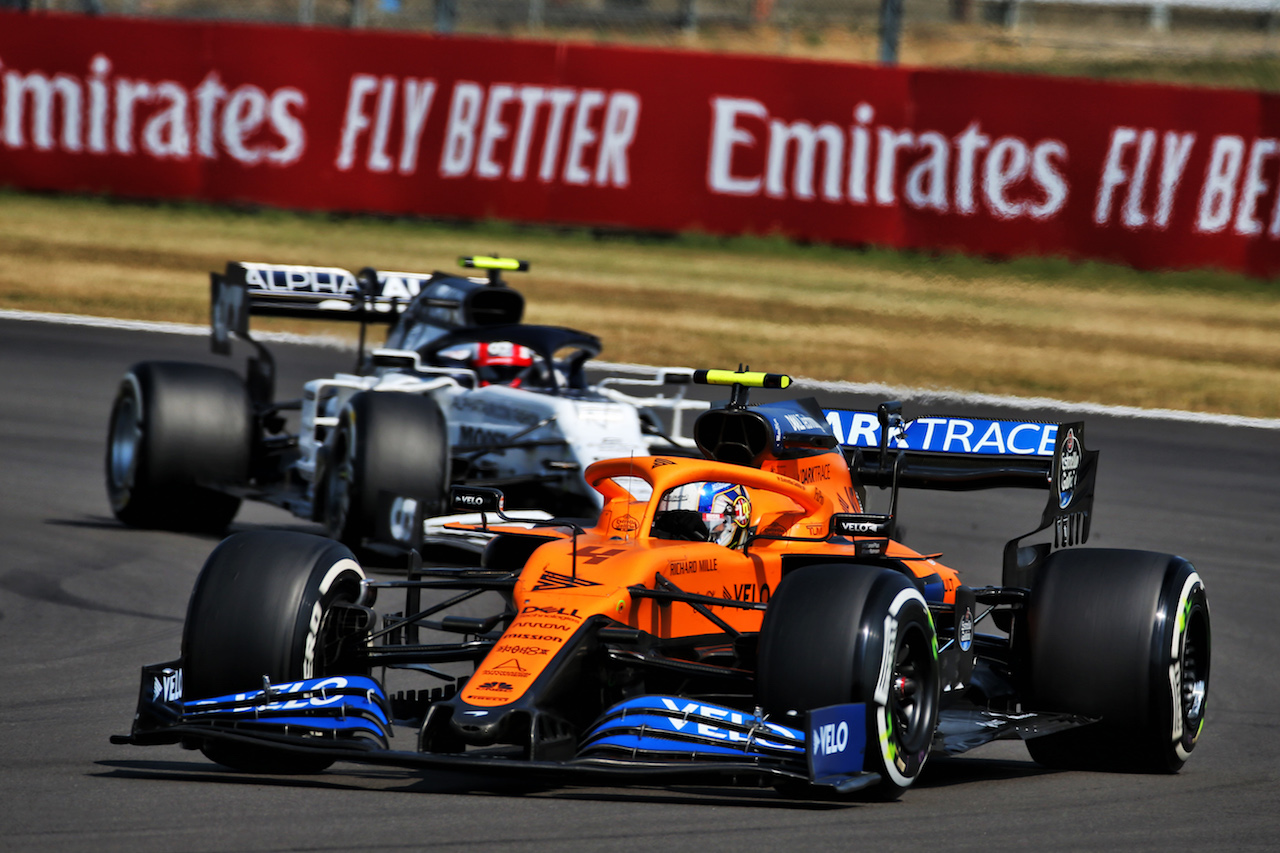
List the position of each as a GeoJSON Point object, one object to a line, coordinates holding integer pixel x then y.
{"type": "Point", "coordinates": [84, 602]}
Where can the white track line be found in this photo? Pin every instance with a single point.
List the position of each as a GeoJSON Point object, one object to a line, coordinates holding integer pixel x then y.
{"type": "Point", "coordinates": [167, 328]}
{"type": "Point", "coordinates": [923, 395]}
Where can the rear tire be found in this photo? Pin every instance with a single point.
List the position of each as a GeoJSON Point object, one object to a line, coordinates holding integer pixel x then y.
{"type": "Point", "coordinates": [174, 425]}
{"type": "Point", "coordinates": [385, 442]}
{"type": "Point", "coordinates": [1124, 636]}
{"type": "Point", "coordinates": [837, 633]}
{"type": "Point", "coordinates": [258, 609]}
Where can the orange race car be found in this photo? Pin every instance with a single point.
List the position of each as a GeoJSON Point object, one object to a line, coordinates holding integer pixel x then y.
{"type": "Point", "coordinates": [740, 616]}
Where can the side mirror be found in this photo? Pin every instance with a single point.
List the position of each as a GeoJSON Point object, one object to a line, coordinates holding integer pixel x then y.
{"type": "Point", "coordinates": [861, 524]}
{"type": "Point", "coordinates": [475, 499]}
{"type": "Point", "coordinates": [890, 416]}
{"type": "Point", "coordinates": [397, 359]}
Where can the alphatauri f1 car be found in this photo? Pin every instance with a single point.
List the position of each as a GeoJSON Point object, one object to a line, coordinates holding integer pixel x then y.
{"type": "Point", "coordinates": [739, 616]}
{"type": "Point", "coordinates": [462, 392]}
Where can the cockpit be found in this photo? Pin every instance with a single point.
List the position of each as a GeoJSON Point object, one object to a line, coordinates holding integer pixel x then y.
{"type": "Point", "coordinates": [704, 511]}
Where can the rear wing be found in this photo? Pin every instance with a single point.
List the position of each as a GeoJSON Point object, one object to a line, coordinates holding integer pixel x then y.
{"type": "Point", "coordinates": [961, 453]}
{"type": "Point", "coordinates": [435, 303]}
{"type": "Point", "coordinates": [322, 293]}
{"type": "Point", "coordinates": [946, 452]}
{"type": "Point", "coordinates": [368, 296]}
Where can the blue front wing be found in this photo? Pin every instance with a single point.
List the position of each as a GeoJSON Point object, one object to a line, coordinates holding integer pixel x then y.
{"type": "Point", "coordinates": [647, 736]}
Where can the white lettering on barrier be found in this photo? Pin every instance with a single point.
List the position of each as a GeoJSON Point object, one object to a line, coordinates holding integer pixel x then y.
{"type": "Point", "coordinates": [584, 136]}
{"type": "Point", "coordinates": [414, 107]}
{"type": "Point", "coordinates": [1254, 186]}
{"type": "Point", "coordinates": [927, 179]}
{"type": "Point", "coordinates": [727, 135]}
{"type": "Point", "coordinates": [806, 139]}
{"type": "Point", "coordinates": [459, 139]}
{"type": "Point", "coordinates": [1045, 158]}
{"type": "Point", "coordinates": [806, 161]}
{"type": "Point", "coordinates": [890, 141]}
{"type": "Point", "coordinates": [1004, 167]}
{"type": "Point", "coordinates": [494, 131]}
{"type": "Point", "coordinates": [621, 120]}
{"type": "Point", "coordinates": [530, 97]}
{"type": "Point", "coordinates": [356, 121]}
{"type": "Point", "coordinates": [107, 115]}
{"type": "Point", "coordinates": [559, 100]}
{"type": "Point", "coordinates": [1010, 177]}
{"type": "Point", "coordinates": [969, 143]}
{"type": "Point", "coordinates": [1218, 194]}
{"type": "Point", "coordinates": [1239, 175]}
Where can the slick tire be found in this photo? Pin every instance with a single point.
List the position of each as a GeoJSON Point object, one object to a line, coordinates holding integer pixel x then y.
{"type": "Point", "coordinates": [837, 633]}
{"type": "Point", "coordinates": [259, 610]}
{"type": "Point", "coordinates": [1122, 636]}
{"type": "Point", "coordinates": [385, 444]}
{"type": "Point", "coordinates": [173, 426]}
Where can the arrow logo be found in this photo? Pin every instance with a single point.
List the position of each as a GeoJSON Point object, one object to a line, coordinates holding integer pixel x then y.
{"type": "Point", "coordinates": [555, 580]}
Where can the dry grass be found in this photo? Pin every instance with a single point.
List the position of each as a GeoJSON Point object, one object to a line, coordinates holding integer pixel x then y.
{"type": "Point", "coordinates": [1204, 342]}
{"type": "Point", "coordinates": [1209, 49]}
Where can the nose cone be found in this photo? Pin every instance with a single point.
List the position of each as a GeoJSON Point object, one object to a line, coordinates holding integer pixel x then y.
{"type": "Point", "coordinates": [478, 726]}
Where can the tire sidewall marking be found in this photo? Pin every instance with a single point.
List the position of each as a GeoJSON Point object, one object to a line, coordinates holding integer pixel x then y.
{"type": "Point", "coordinates": [894, 764]}
{"type": "Point", "coordinates": [346, 564]}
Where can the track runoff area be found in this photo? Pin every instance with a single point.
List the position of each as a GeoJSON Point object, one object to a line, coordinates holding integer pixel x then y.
{"type": "Point", "coordinates": [921, 395]}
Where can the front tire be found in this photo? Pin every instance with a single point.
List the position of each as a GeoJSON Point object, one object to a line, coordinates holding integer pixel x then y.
{"type": "Point", "coordinates": [259, 608]}
{"type": "Point", "coordinates": [174, 425]}
{"type": "Point", "coordinates": [386, 443]}
{"type": "Point", "coordinates": [837, 633]}
{"type": "Point", "coordinates": [1123, 636]}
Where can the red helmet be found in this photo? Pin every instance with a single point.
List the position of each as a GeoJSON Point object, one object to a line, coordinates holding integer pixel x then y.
{"type": "Point", "coordinates": [494, 362]}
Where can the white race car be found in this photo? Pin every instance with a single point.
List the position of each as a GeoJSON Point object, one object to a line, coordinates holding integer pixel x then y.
{"type": "Point", "coordinates": [462, 393]}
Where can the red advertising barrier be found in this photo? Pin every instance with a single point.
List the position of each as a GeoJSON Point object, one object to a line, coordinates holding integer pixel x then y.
{"type": "Point", "coordinates": [1153, 176]}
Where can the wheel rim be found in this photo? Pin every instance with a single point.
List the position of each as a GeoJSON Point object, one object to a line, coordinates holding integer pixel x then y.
{"type": "Point", "coordinates": [342, 631]}
{"type": "Point", "coordinates": [1195, 672]}
{"type": "Point", "coordinates": [126, 439]}
{"type": "Point", "coordinates": [912, 694]}
{"type": "Point", "coordinates": [338, 492]}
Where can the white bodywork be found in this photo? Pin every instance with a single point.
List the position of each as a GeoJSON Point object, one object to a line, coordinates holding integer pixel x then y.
{"type": "Point", "coordinates": [557, 433]}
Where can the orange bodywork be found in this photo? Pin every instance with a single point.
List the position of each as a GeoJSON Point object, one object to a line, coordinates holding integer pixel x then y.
{"type": "Point", "coordinates": [571, 579]}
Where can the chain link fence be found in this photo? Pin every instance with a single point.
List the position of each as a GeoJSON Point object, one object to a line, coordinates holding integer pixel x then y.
{"type": "Point", "coordinates": [641, 18]}
{"type": "Point", "coordinates": [939, 32]}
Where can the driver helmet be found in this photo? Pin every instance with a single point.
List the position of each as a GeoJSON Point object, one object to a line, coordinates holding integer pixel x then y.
{"type": "Point", "coordinates": [705, 511]}
{"type": "Point", "coordinates": [494, 362]}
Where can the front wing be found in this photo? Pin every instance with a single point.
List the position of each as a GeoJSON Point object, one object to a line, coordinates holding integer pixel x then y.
{"type": "Point", "coordinates": [647, 739]}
